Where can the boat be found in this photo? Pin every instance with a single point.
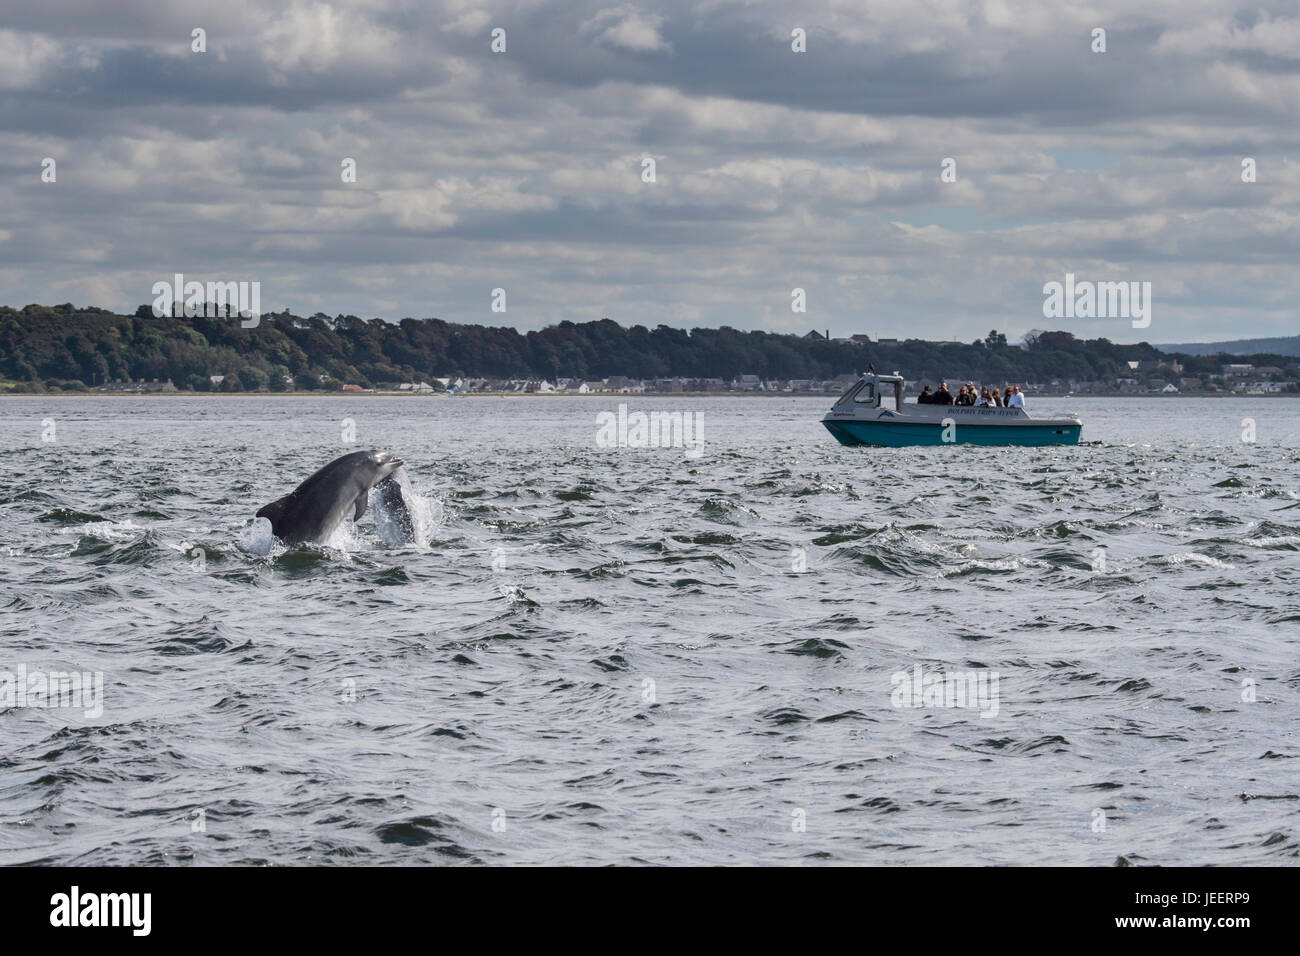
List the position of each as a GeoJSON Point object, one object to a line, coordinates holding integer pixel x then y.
{"type": "Point", "coordinates": [872, 412]}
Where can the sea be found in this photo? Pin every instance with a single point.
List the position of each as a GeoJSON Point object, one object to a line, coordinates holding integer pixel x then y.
{"type": "Point", "coordinates": [755, 648]}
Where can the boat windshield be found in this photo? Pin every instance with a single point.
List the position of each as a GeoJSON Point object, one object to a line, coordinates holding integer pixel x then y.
{"type": "Point", "coordinates": [864, 392]}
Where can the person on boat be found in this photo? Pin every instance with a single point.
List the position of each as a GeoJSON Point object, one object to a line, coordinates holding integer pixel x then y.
{"type": "Point", "coordinates": [942, 396]}
{"type": "Point", "coordinates": [1017, 397]}
{"type": "Point", "coordinates": [926, 397]}
{"type": "Point", "coordinates": [986, 400]}
{"type": "Point", "coordinates": [967, 394]}
{"type": "Point", "coordinates": [997, 398]}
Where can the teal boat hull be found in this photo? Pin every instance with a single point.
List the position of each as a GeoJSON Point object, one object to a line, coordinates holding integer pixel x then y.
{"type": "Point", "coordinates": [906, 434]}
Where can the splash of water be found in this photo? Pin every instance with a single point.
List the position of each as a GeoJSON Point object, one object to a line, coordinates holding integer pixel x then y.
{"type": "Point", "coordinates": [394, 529]}
{"type": "Point", "coordinates": [257, 538]}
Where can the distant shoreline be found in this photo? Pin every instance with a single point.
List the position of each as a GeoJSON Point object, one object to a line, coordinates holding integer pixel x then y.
{"type": "Point", "coordinates": [831, 396]}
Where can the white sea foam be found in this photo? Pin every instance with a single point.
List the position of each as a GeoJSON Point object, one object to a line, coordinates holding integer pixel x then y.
{"type": "Point", "coordinates": [1280, 540]}
{"type": "Point", "coordinates": [1197, 558]}
{"type": "Point", "coordinates": [111, 530]}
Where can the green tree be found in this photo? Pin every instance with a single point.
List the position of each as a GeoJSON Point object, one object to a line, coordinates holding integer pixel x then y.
{"type": "Point", "coordinates": [253, 378]}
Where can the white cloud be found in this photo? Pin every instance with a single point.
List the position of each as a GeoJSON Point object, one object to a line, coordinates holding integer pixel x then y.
{"type": "Point", "coordinates": [24, 58]}
{"type": "Point", "coordinates": [317, 37]}
{"type": "Point", "coordinates": [469, 23]}
{"type": "Point", "coordinates": [1274, 37]}
{"type": "Point", "coordinates": [628, 28]}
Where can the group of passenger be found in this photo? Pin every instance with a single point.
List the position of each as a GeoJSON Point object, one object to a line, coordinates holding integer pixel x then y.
{"type": "Point", "coordinates": [1012, 397]}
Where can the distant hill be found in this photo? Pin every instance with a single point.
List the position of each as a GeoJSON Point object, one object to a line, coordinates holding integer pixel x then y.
{"type": "Point", "coordinates": [70, 349]}
{"type": "Point", "coordinates": [1287, 345]}
{"type": "Point", "coordinates": [65, 347]}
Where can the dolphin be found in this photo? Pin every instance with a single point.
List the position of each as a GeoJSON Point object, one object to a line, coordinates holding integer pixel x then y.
{"type": "Point", "coordinates": [393, 498]}
{"type": "Point", "coordinates": [312, 511]}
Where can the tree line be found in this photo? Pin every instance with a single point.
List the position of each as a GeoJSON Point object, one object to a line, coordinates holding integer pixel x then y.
{"type": "Point", "coordinates": [68, 348]}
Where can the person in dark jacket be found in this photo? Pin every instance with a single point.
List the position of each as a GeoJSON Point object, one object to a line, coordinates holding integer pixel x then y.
{"type": "Point", "coordinates": [926, 397]}
{"type": "Point", "coordinates": [942, 396]}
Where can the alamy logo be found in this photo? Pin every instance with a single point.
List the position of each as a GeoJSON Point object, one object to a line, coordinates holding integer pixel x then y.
{"type": "Point", "coordinates": [45, 689]}
{"type": "Point", "coordinates": [977, 689]}
{"type": "Point", "coordinates": [1098, 300]}
{"type": "Point", "coordinates": [245, 298]}
{"type": "Point", "coordinates": [103, 909]}
{"type": "Point", "coordinates": [655, 430]}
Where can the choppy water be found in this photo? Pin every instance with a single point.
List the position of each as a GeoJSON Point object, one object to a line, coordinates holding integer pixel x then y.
{"type": "Point", "coordinates": [609, 655]}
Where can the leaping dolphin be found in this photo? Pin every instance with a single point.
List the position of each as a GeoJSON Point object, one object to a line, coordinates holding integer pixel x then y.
{"type": "Point", "coordinates": [312, 511]}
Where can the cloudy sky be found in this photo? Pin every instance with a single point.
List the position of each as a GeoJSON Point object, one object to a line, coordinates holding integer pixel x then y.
{"type": "Point", "coordinates": [523, 170]}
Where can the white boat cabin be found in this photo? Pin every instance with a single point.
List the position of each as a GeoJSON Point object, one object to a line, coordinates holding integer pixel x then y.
{"type": "Point", "coordinates": [875, 391]}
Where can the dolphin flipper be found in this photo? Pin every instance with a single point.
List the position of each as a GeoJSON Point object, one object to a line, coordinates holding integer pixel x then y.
{"type": "Point", "coordinates": [361, 504]}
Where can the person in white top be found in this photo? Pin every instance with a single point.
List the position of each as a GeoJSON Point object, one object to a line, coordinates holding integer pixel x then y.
{"type": "Point", "coordinates": [1017, 398]}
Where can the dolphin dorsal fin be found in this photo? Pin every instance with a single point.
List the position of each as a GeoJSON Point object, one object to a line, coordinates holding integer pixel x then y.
{"type": "Point", "coordinates": [274, 512]}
